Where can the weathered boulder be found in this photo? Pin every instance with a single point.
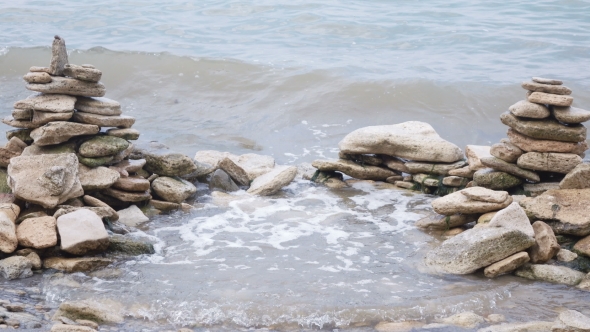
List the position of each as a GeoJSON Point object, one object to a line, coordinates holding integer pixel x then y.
{"type": "Point", "coordinates": [458, 203]}
{"type": "Point", "coordinates": [476, 248]}
{"type": "Point", "coordinates": [496, 180]}
{"type": "Point", "coordinates": [507, 265]}
{"type": "Point", "coordinates": [15, 267]}
{"type": "Point", "coordinates": [80, 264]}
{"type": "Point", "coordinates": [96, 178]}
{"type": "Point", "coordinates": [550, 99]}
{"type": "Point", "coordinates": [47, 103]}
{"type": "Point", "coordinates": [513, 217]}
{"type": "Point", "coordinates": [571, 115]}
{"type": "Point", "coordinates": [549, 161]}
{"type": "Point", "coordinates": [82, 231]}
{"type": "Point", "coordinates": [120, 121]}
{"type": "Point", "coordinates": [132, 216]}
{"type": "Point", "coordinates": [163, 161]}
{"type": "Point", "coordinates": [99, 105]}
{"type": "Point", "coordinates": [174, 190]}
{"type": "Point", "coordinates": [438, 221]}
{"type": "Point", "coordinates": [546, 245]}
{"type": "Point", "coordinates": [61, 131]}
{"type": "Point", "coordinates": [222, 181]}
{"type": "Point", "coordinates": [565, 210]}
{"type": "Point", "coordinates": [432, 168]}
{"type": "Point", "coordinates": [506, 151]}
{"type": "Point", "coordinates": [577, 178]}
{"type": "Point", "coordinates": [550, 273]}
{"type": "Point", "coordinates": [8, 215]}
{"type": "Point", "coordinates": [38, 233]}
{"type": "Point", "coordinates": [501, 165]}
{"type": "Point", "coordinates": [546, 129]}
{"type": "Point", "coordinates": [101, 146]}
{"type": "Point", "coordinates": [526, 109]}
{"type": "Point", "coordinates": [69, 86]}
{"type": "Point", "coordinates": [47, 180]}
{"type": "Point", "coordinates": [541, 145]}
{"type": "Point", "coordinates": [273, 181]}
{"type": "Point", "coordinates": [353, 169]}
{"type": "Point", "coordinates": [412, 140]}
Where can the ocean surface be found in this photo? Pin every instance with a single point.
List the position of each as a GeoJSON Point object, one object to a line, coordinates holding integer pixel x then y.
{"type": "Point", "coordinates": [289, 79]}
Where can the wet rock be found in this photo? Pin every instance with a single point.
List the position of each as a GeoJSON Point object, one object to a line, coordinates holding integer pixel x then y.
{"type": "Point", "coordinates": [466, 319]}
{"type": "Point", "coordinates": [412, 140]}
{"type": "Point", "coordinates": [70, 328]}
{"type": "Point", "coordinates": [577, 178]}
{"type": "Point", "coordinates": [536, 326]}
{"type": "Point", "coordinates": [582, 247]}
{"type": "Point", "coordinates": [47, 180]}
{"type": "Point", "coordinates": [426, 180]}
{"type": "Point", "coordinates": [546, 245]}
{"type": "Point", "coordinates": [363, 159]}
{"type": "Point", "coordinates": [163, 161]}
{"type": "Point", "coordinates": [129, 246]}
{"type": "Point", "coordinates": [550, 99]}
{"type": "Point", "coordinates": [95, 162]}
{"type": "Point", "coordinates": [459, 203]}
{"type": "Point", "coordinates": [59, 56]}
{"type": "Point", "coordinates": [273, 181]}
{"type": "Point", "coordinates": [546, 129]}
{"type": "Point", "coordinates": [100, 105]}
{"type": "Point", "coordinates": [69, 86]}
{"type": "Point", "coordinates": [405, 184]}
{"type": "Point", "coordinates": [237, 173]}
{"type": "Point", "coordinates": [15, 267]}
{"type": "Point", "coordinates": [132, 183]}
{"type": "Point", "coordinates": [82, 231]}
{"type": "Point", "coordinates": [571, 115]}
{"type": "Point", "coordinates": [507, 265]}
{"type": "Point", "coordinates": [164, 206]}
{"type": "Point", "coordinates": [565, 210]}
{"type": "Point", "coordinates": [38, 233]}
{"type": "Point", "coordinates": [549, 161]}
{"type": "Point", "coordinates": [132, 216]}
{"type": "Point", "coordinates": [101, 146]}
{"type": "Point", "coordinates": [398, 326]}
{"type": "Point", "coordinates": [546, 88]}
{"type": "Point", "coordinates": [476, 248]}
{"type": "Point", "coordinates": [61, 131]}
{"type": "Point", "coordinates": [353, 169]}
{"type": "Point", "coordinates": [41, 118]}
{"type": "Point", "coordinates": [474, 153]}
{"type": "Point", "coordinates": [120, 121]}
{"type": "Point", "coordinates": [102, 312]}
{"type": "Point", "coordinates": [564, 255]}
{"type": "Point", "coordinates": [125, 196]}
{"type": "Point", "coordinates": [514, 217]}
{"type": "Point", "coordinates": [80, 264]}
{"type": "Point", "coordinates": [47, 103]}
{"type": "Point", "coordinates": [432, 168]}
{"type": "Point", "coordinates": [438, 221]}
{"type": "Point", "coordinates": [222, 181]}
{"type": "Point", "coordinates": [496, 180]}
{"type": "Point", "coordinates": [82, 73]}
{"type": "Point", "coordinates": [485, 195]}
{"type": "Point", "coordinates": [506, 151]}
{"type": "Point", "coordinates": [501, 165]}
{"type": "Point", "coordinates": [539, 145]}
{"type": "Point", "coordinates": [96, 178]}
{"type": "Point", "coordinates": [37, 77]}
{"type": "Point", "coordinates": [129, 134]}
{"type": "Point", "coordinates": [527, 109]}
{"type": "Point", "coordinates": [174, 190]}
{"type": "Point", "coordinates": [550, 273]}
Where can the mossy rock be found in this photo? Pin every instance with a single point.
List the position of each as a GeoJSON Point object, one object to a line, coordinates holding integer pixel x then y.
{"type": "Point", "coordinates": [128, 246]}
{"type": "Point", "coordinates": [95, 162]}
{"type": "Point", "coordinates": [102, 146]}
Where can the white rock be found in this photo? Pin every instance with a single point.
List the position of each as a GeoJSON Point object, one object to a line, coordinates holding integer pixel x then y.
{"type": "Point", "coordinates": [132, 216]}
{"type": "Point", "coordinates": [82, 231]}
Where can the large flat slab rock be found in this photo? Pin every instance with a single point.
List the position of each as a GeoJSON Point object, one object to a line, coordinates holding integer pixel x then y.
{"type": "Point", "coordinates": [81, 232]}
{"type": "Point", "coordinates": [529, 144]}
{"type": "Point", "coordinates": [254, 165]}
{"type": "Point", "coordinates": [546, 129]}
{"type": "Point", "coordinates": [69, 86]}
{"type": "Point", "coordinates": [83, 73]}
{"type": "Point", "coordinates": [61, 131]}
{"type": "Point", "coordinates": [79, 264]}
{"type": "Point", "coordinates": [457, 202]}
{"type": "Point", "coordinates": [411, 140]}
{"type": "Point", "coordinates": [549, 161]}
{"type": "Point", "coordinates": [353, 169]}
{"type": "Point", "coordinates": [550, 99]}
{"type": "Point", "coordinates": [47, 180]}
{"type": "Point", "coordinates": [476, 248]}
{"type": "Point", "coordinates": [414, 167]}
{"type": "Point", "coordinates": [507, 265]}
{"type": "Point", "coordinates": [96, 178]}
{"type": "Point", "coordinates": [47, 103]}
{"type": "Point", "coordinates": [547, 88]}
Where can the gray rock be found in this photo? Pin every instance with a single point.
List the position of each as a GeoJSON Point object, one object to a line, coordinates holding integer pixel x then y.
{"type": "Point", "coordinates": [513, 217]}
{"type": "Point", "coordinates": [47, 103]}
{"type": "Point", "coordinates": [546, 129]}
{"type": "Point", "coordinates": [412, 140]}
{"type": "Point", "coordinates": [174, 190]}
{"type": "Point", "coordinates": [466, 319]}
{"type": "Point", "coordinates": [82, 73]}
{"type": "Point", "coordinates": [432, 168]}
{"type": "Point", "coordinates": [550, 99]}
{"type": "Point", "coordinates": [454, 181]}
{"type": "Point", "coordinates": [37, 77]}
{"type": "Point", "coordinates": [564, 255]}
{"type": "Point", "coordinates": [547, 88]}
{"type": "Point", "coordinates": [527, 109]}
{"type": "Point", "coordinates": [570, 115]}
{"type": "Point", "coordinates": [539, 145]}
{"type": "Point", "coordinates": [129, 134]}
{"type": "Point", "coordinates": [507, 265]}
{"type": "Point", "coordinates": [458, 203]}
{"type": "Point", "coordinates": [102, 146]}
{"type": "Point", "coordinates": [222, 181]}
{"type": "Point", "coordinates": [547, 81]}
{"type": "Point", "coordinates": [8, 239]}
{"type": "Point", "coordinates": [102, 212]}
{"type": "Point", "coordinates": [15, 267]}
{"type": "Point", "coordinates": [474, 154]}
{"type": "Point", "coordinates": [129, 246]}
{"type": "Point", "coordinates": [550, 273]}
{"type": "Point", "coordinates": [163, 161]}
{"type": "Point", "coordinates": [38, 233]}
{"type": "Point", "coordinates": [272, 182]}
{"type": "Point", "coordinates": [99, 105]}
{"type": "Point", "coordinates": [81, 232]}
{"type": "Point", "coordinates": [69, 86]}
{"type": "Point", "coordinates": [535, 326]}
{"type": "Point", "coordinates": [546, 245]}
{"type": "Point", "coordinates": [61, 131]}
{"type": "Point", "coordinates": [506, 151]}
{"type": "Point", "coordinates": [353, 169]}
{"type": "Point", "coordinates": [41, 118]}
{"type": "Point", "coordinates": [237, 173]}
{"type": "Point", "coordinates": [501, 165]}
{"type": "Point", "coordinates": [578, 178]}
{"type": "Point", "coordinates": [59, 56]}
{"type": "Point", "coordinates": [476, 248]}
{"type": "Point", "coordinates": [549, 161]}
{"type": "Point", "coordinates": [97, 178]}
{"type": "Point", "coordinates": [438, 221]}
{"type": "Point", "coordinates": [573, 321]}
{"type": "Point", "coordinates": [132, 216]}
{"type": "Point", "coordinates": [80, 264]}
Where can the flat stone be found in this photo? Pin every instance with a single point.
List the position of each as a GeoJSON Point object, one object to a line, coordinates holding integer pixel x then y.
{"type": "Point", "coordinates": [95, 162]}
{"type": "Point", "coordinates": [506, 151]}
{"type": "Point", "coordinates": [455, 181]}
{"type": "Point", "coordinates": [237, 173]}
{"type": "Point", "coordinates": [458, 203]}
{"type": "Point", "coordinates": [550, 99]}
{"type": "Point", "coordinates": [82, 73]}
{"type": "Point", "coordinates": [127, 196]}
{"type": "Point", "coordinates": [38, 233]}
{"type": "Point", "coordinates": [507, 265]}
{"type": "Point", "coordinates": [537, 145]}
{"type": "Point", "coordinates": [395, 164]}
{"type": "Point", "coordinates": [534, 326]}
{"type": "Point", "coordinates": [22, 115]}
{"type": "Point", "coordinates": [132, 216]}
{"type": "Point", "coordinates": [549, 161]}
{"type": "Point", "coordinates": [8, 238]}
{"type": "Point", "coordinates": [96, 178]}
{"type": "Point", "coordinates": [220, 180]}
{"type": "Point", "coordinates": [95, 202]}
{"type": "Point", "coordinates": [22, 134]}
{"type": "Point", "coordinates": [546, 129]}
{"type": "Point", "coordinates": [485, 195]}
{"type": "Point", "coordinates": [37, 77]}
{"type": "Point", "coordinates": [404, 184]}
{"type": "Point", "coordinates": [501, 165]}
{"type": "Point", "coordinates": [163, 161]}
{"type": "Point", "coordinates": [353, 169]}
{"type": "Point", "coordinates": [47, 103]}
{"type": "Point", "coordinates": [47, 180]}
{"type": "Point", "coordinates": [547, 81]}
{"type": "Point", "coordinates": [6, 155]}
{"type": "Point", "coordinates": [102, 146]}
{"type": "Point", "coordinates": [132, 183]}
{"type": "Point", "coordinates": [129, 166]}
{"type": "Point", "coordinates": [550, 273]}
{"type": "Point", "coordinates": [536, 189]}
{"type": "Point", "coordinates": [571, 115]}
{"type": "Point", "coordinates": [477, 248]}
{"type": "Point", "coordinates": [438, 221]}
{"type": "Point", "coordinates": [466, 319]}
{"type": "Point", "coordinates": [98, 105]}
{"type": "Point", "coordinates": [174, 190]}
{"type": "Point", "coordinates": [69, 86]}
{"type": "Point", "coordinates": [102, 212]}
{"type": "Point", "coordinates": [577, 178]}
{"type": "Point", "coordinates": [15, 267]}
{"type": "Point", "coordinates": [41, 118]}
{"type": "Point", "coordinates": [432, 168]}
{"type": "Point", "coordinates": [546, 246]}
{"type": "Point", "coordinates": [129, 134]}
{"type": "Point", "coordinates": [412, 140]}
{"type": "Point", "coordinates": [61, 131]}
{"type": "Point", "coordinates": [390, 179]}
{"type": "Point", "coordinates": [573, 321]}
{"type": "Point", "coordinates": [39, 69]}
{"type": "Point", "coordinates": [425, 180]}
{"type": "Point", "coordinates": [513, 217]}
{"type": "Point", "coordinates": [527, 109]}
{"type": "Point", "coordinates": [59, 56]}
{"type": "Point", "coordinates": [81, 232]}
{"type": "Point", "coordinates": [164, 206]}
{"type": "Point", "coordinates": [546, 88]}
{"type": "Point", "coordinates": [474, 153]}
{"type": "Point", "coordinates": [80, 264]}
{"type": "Point", "coordinates": [465, 172]}
{"type": "Point", "coordinates": [565, 210]}
{"type": "Point", "coordinates": [120, 121]}
{"type": "Point", "coordinates": [273, 181]}
{"type": "Point", "coordinates": [15, 144]}
{"type": "Point", "coordinates": [9, 120]}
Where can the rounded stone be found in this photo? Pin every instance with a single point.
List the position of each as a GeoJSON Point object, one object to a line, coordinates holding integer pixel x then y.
{"type": "Point", "coordinates": [101, 146]}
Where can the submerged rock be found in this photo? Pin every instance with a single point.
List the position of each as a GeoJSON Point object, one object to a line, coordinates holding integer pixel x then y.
{"type": "Point", "coordinates": [102, 312]}
{"type": "Point", "coordinates": [550, 273]}
{"type": "Point", "coordinates": [129, 246]}
{"type": "Point", "coordinates": [222, 181]}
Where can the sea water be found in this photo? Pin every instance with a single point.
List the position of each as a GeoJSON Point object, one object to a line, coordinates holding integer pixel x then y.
{"type": "Point", "coordinates": [290, 79]}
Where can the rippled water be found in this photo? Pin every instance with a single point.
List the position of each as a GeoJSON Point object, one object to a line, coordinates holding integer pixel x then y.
{"type": "Point", "coordinates": [290, 79]}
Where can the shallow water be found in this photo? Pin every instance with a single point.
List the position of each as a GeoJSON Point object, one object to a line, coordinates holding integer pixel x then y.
{"type": "Point", "coordinates": [290, 79]}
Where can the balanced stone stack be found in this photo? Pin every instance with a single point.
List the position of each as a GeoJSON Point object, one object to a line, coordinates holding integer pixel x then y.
{"type": "Point", "coordinates": [545, 135]}
{"type": "Point", "coordinates": [385, 153]}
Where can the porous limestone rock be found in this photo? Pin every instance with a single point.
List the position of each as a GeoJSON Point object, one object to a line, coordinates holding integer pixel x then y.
{"type": "Point", "coordinates": [98, 105]}
{"type": "Point", "coordinates": [496, 180]}
{"type": "Point", "coordinates": [69, 86]}
{"type": "Point", "coordinates": [571, 115]}
{"type": "Point", "coordinates": [412, 140]}
{"type": "Point", "coordinates": [163, 161]}
{"type": "Point", "coordinates": [536, 189]}
{"type": "Point", "coordinates": [15, 267]}
{"type": "Point", "coordinates": [353, 169]}
{"type": "Point", "coordinates": [550, 273]}
{"type": "Point", "coordinates": [127, 167]}
{"type": "Point", "coordinates": [8, 238]}
{"type": "Point", "coordinates": [126, 196]}
{"type": "Point", "coordinates": [527, 109]}
{"type": "Point", "coordinates": [273, 181]}
{"type": "Point", "coordinates": [544, 80]}
{"type": "Point", "coordinates": [59, 56]}
{"type": "Point", "coordinates": [546, 129]}
{"type": "Point", "coordinates": [414, 167]}
{"type": "Point", "coordinates": [549, 161]}
{"type": "Point", "coordinates": [550, 99]}
{"type": "Point", "coordinates": [61, 131]}
{"type": "Point", "coordinates": [40, 118]}
{"type": "Point", "coordinates": [96, 178]}
{"type": "Point", "coordinates": [82, 73]}
{"type": "Point", "coordinates": [564, 255]}
{"type": "Point", "coordinates": [174, 190]}
{"type": "Point", "coordinates": [514, 217]}
{"type": "Point", "coordinates": [577, 178]}
{"type": "Point", "coordinates": [501, 165]}
{"type": "Point", "coordinates": [134, 183]}
{"type": "Point", "coordinates": [507, 265]}
{"type": "Point", "coordinates": [506, 151]}
{"type": "Point", "coordinates": [485, 195]}
{"type": "Point", "coordinates": [474, 153]}
{"type": "Point", "coordinates": [79, 264]}
{"type": "Point", "coordinates": [82, 231]}
{"type": "Point", "coordinates": [530, 144]}
{"type": "Point", "coordinates": [572, 321]}
{"type": "Point", "coordinates": [129, 134]}
{"type": "Point", "coordinates": [35, 150]}
{"type": "Point", "coordinates": [37, 77]}
{"type": "Point", "coordinates": [47, 103]}
{"type": "Point", "coordinates": [546, 246]}
{"type": "Point", "coordinates": [38, 233]}
{"type": "Point", "coordinates": [467, 319]}
{"type": "Point", "coordinates": [546, 88]}
{"type": "Point", "coordinates": [438, 221]}
{"type": "Point", "coordinates": [102, 312]}
{"type": "Point", "coordinates": [454, 181]}
{"type": "Point", "coordinates": [132, 216]}
{"type": "Point", "coordinates": [397, 164]}
{"type": "Point", "coordinates": [119, 121]}
{"type": "Point", "coordinates": [101, 146]}
{"type": "Point", "coordinates": [458, 203]}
